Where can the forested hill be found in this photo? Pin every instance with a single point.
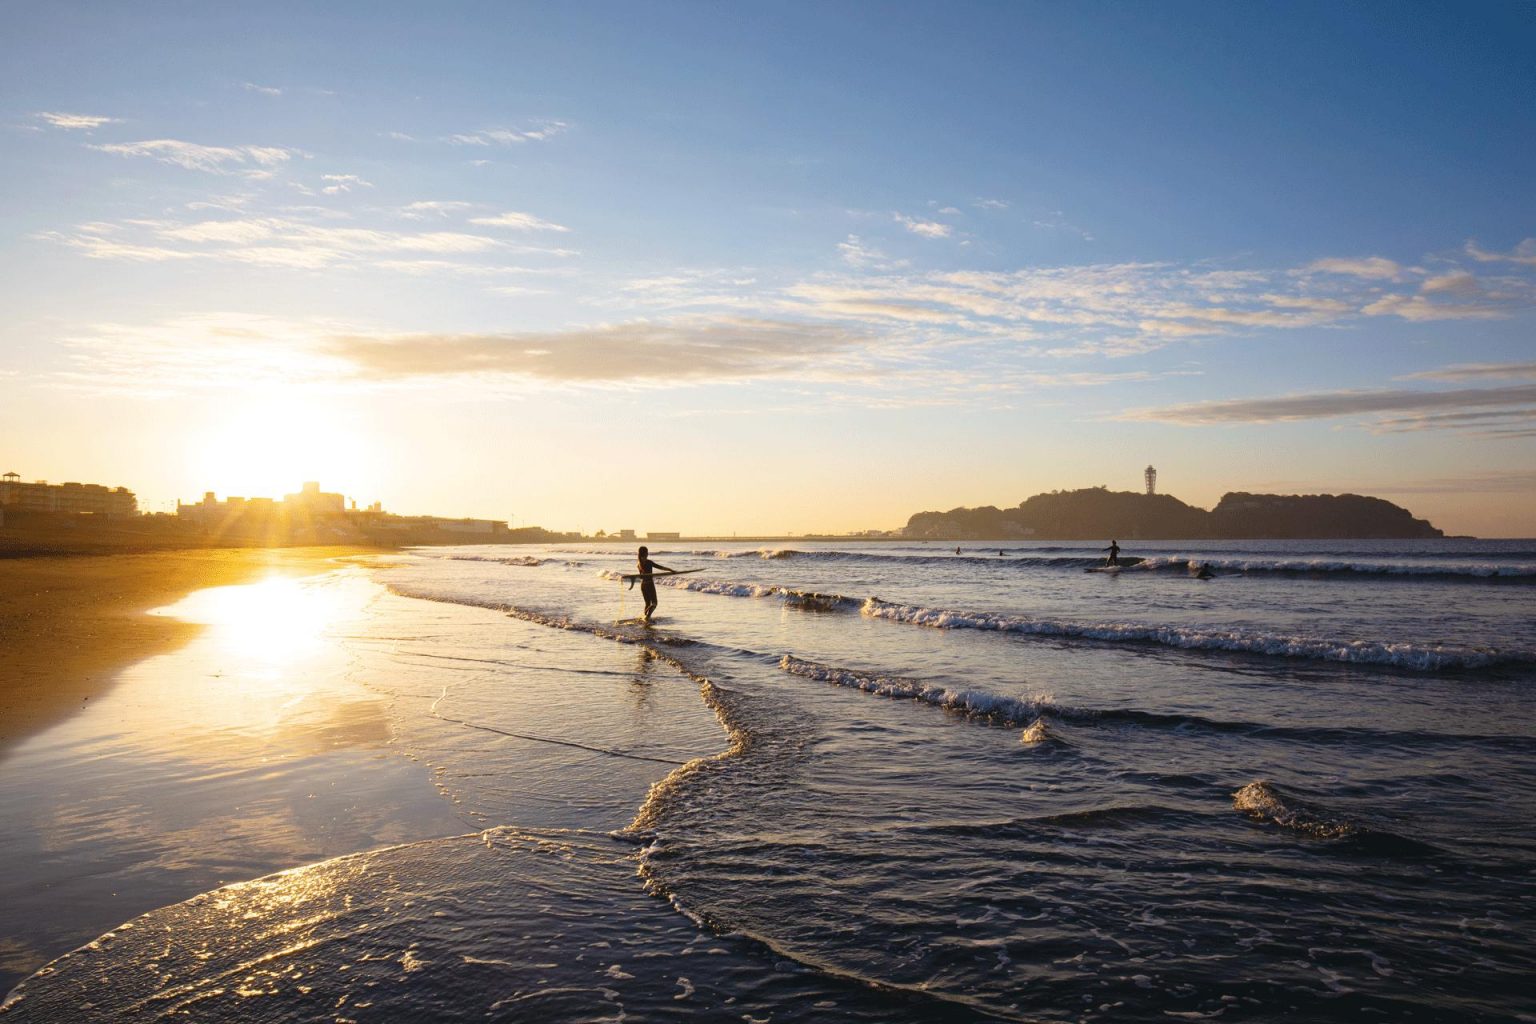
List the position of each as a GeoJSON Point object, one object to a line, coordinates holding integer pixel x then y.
{"type": "Point", "coordinates": [1097, 512]}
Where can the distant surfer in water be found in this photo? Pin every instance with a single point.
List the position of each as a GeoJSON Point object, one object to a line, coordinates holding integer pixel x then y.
{"type": "Point", "coordinates": [1205, 572]}
{"type": "Point", "coordinates": [1114, 553]}
{"type": "Point", "coordinates": [647, 582]}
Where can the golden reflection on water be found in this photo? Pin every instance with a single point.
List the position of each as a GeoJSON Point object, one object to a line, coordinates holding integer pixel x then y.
{"type": "Point", "coordinates": [267, 666]}
{"type": "Point", "coordinates": [274, 622]}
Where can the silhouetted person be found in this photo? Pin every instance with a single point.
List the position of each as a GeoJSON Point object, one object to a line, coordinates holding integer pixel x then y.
{"type": "Point", "coordinates": [648, 582]}
{"type": "Point", "coordinates": [1205, 572]}
{"type": "Point", "coordinates": [1114, 553]}
{"type": "Point", "coordinates": [957, 551]}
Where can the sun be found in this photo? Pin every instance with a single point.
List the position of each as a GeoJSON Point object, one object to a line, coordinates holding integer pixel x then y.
{"type": "Point", "coordinates": [267, 447]}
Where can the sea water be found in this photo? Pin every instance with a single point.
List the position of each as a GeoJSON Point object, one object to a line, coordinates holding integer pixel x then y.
{"type": "Point", "coordinates": [890, 781]}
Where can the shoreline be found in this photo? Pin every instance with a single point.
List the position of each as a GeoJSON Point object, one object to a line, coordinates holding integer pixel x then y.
{"type": "Point", "coordinates": [69, 624]}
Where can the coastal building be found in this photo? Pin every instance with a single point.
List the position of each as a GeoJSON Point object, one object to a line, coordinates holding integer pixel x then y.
{"type": "Point", "coordinates": [478, 528]}
{"type": "Point", "coordinates": [1151, 477]}
{"type": "Point", "coordinates": [311, 499]}
{"type": "Point", "coordinates": [309, 503]}
{"type": "Point", "coordinates": [662, 535]}
{"type": "Point", "coordinates": [72, 497]}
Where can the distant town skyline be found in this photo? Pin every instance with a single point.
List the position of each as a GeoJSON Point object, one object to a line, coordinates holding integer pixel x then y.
{"type": "Point", "coordinates": [772, 269]}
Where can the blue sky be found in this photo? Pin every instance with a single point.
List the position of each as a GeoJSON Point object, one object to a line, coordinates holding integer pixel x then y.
{"type": "Point", "coordinates": [790, 267]}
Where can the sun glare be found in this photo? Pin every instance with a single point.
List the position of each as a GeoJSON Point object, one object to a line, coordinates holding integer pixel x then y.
{"type": "Point", "coordinates": [274, 622]}
{"type": "Point", "coordinates": [266, 449]}
{"type": "Point", "coordinates": [266, 663]}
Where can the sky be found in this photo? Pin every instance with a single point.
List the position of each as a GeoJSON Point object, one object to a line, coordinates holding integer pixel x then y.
{"type": "Point", "coordinates": [771, 268]}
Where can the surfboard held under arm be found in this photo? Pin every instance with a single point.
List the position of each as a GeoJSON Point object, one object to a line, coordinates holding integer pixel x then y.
{"type": "Point", "coordinates": [658, 575]}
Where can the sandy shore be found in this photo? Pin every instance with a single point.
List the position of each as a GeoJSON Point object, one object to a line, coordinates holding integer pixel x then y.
{"type": "Point", "coordinates": [69, 624]}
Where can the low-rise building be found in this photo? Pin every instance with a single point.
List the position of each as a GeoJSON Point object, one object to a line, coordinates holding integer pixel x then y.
{"type": "Point", "coordinates": [72, 497]}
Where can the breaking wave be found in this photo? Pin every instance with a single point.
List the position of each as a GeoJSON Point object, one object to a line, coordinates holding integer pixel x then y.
{"type": "Point", "coordinates": [1365, 652]}
{"type": "Point", "coordinates": [1316, 566]}
{"type": "Point", "coordinates": [1264, 802]}
{"type": "Point", "coordinates": [998, 710]}
{"type": "Point", "coordinates": [524, 560]}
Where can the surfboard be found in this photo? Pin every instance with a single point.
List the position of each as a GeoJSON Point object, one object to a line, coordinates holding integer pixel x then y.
{"type": "Point", "coordinates": [653, 620]}
{"type": "Point", "coordinates": [658, 575]}
{"type": "Point", "coordinates": [1124, 563]}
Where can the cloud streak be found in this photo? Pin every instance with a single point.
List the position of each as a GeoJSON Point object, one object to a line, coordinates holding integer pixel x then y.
{"type": "Point", "coordinates": [638, 352]}
{"type": "Point", "coordinates": [208, 159]}
{"type": "Point", "coordinates": [518, 222]}
{"type": "Point", "coordinates": [1373, 268]}
{"type": "Point", "coordinates": [1334, 404]}
{"type": "Point", "coordinates": [1478, 371]}
{"type": "Point", "coordinates": [75, 122]}
{"type": "Point", "coordinates": [510, 136]}
{"type": "Point", "coordinates": [924, 228]}
{"type": "Point", "coordinates": [275, 242]}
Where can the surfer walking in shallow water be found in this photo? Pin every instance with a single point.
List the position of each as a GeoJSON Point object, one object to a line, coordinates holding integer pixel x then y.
{"type": "Point", "coordinates": [648, 581]}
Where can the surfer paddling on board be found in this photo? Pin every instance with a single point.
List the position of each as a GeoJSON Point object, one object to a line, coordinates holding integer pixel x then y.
{"type": "Point", "coordinates": [648, 581]}
{"type": "Point", "coordinates": [1114, 553]}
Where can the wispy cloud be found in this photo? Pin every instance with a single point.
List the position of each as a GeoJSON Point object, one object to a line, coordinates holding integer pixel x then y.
{"type": "Point", "coordinates": [270, 242]}
{"type": "Point", "coordinates": [510, 136]}
{"type": "Point", "coordinates": [237, 351]}
{"type": "Point", "coordinates": [343, 183]}
{"type": "Point", "coordinates": [1456, 283]}
{"type": "Point", "coordinates": [75, 122]}
{"type": "Point", "coordinates": [201, 354]}
{"type": "Point", "coordinates": [925, 228]}
{"type": "Point", "coordinates": [857, 253]}
{"type": "Point", "coordinates": [518, 222]}
{"type": "Point", "coordinates": [1478, 371]}
{"type": "Point", "coordinates": [1524, 253]}
{"type": "Point", "coordinates": [209, 159]}
{"type": "Point", "coordinates": [1374, 268]}
{"type": "Point", "coordinates": [991, 204]}
{"type": "Point", "coordinates": [265, 90]}
{"type": "Point", "coordinates": [1089, 310]}
{"type": "Point", "coordinates": [1333, 404]}
{"type": "Point", "coordinates": [1420, 309]}
{"type": "Point", "coordinates": [424, 208]}
{"type": "Point", "coordinates": [1158, 303]}
{"type": "Point", "coordinates": [1499, 422]}
{"type": "Point", "coordinates": [687, 350]}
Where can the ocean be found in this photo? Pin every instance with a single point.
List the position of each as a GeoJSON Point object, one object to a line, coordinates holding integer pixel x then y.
{"type": "Point", "coordinates": [890, 781]}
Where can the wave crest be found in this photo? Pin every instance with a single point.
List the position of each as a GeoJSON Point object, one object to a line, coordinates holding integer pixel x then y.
{"type": "Point", "coordinates": [1005, 711]}
{"type": "Point", "coordinates": [1365, 652]}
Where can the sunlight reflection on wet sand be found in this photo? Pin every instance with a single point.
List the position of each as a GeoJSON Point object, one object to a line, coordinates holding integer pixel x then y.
{"type": "Point", "coordinates": [266, 669]}
{"type": "Point", "coordinates": [252, 748]}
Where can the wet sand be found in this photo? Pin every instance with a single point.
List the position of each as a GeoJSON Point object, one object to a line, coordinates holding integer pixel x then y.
{"type": "Point", "coordinates": [69, 624]}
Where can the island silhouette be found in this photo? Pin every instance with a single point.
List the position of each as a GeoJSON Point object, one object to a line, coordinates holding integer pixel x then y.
{"type": "Point", "coordinates": [1092, 512]}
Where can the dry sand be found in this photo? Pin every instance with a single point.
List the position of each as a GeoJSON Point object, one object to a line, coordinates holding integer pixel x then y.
{"type": "Point", "coordinates": [68, 624]}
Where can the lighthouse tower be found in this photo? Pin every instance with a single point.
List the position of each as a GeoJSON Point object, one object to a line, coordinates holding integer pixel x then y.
{"type": "Point", "coordinates": [1151, 475]}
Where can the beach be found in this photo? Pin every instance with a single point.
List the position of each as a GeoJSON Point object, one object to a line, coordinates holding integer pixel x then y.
{"type": "Point", "coordinates": [69, 623]}
{"type": "Point", "coordinates": [864, 782]}
{"type": "Point", "coordinates": [92, 683]}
